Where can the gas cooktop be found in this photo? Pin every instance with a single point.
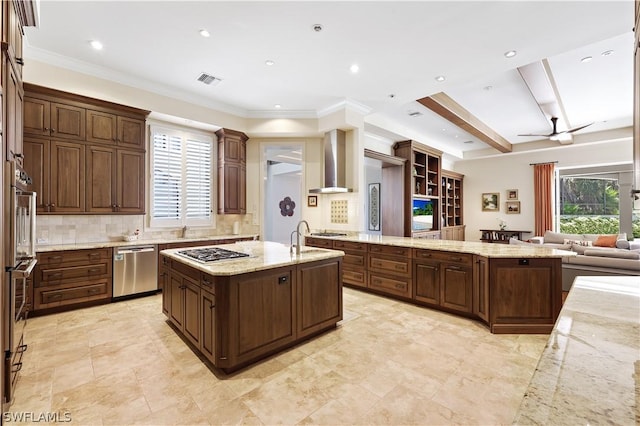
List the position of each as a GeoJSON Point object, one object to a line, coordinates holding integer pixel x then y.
{"type": "Point", "coordinates": [211, 254]}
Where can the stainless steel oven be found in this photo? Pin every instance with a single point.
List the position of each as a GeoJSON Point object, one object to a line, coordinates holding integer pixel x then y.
{"type": "Point", "coordinates": [20, 235]}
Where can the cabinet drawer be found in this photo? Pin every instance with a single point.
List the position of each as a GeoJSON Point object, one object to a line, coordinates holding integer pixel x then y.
{"type": "Point", "coordinates": [319, 242]}
{"type": "Point", "coordinates": [51, 275]}
{"type": "Point", "coordinates": [353, 277]}
{"type": "Point", "coordinates": [351, 259]}
{"type": "Point", "coordinates": [46, 298]}
{"type": "Point", "coordinates": [185, 270]}
{"type": "Point", "coordinates": [396, 251]}
{"type": "Point", "coordinates": [396, 265]}
{"type": "Point", "coordinates": [56, 257]}
{"type": "Point", "coordinates": [350, 245]}
{"type": "Point", "coordinates": [444, 256]}
{"type": "Point", "coordinates": [392, 285]}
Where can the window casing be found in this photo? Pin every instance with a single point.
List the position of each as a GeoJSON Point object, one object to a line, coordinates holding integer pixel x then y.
{"type": "Point", "coordinates": [182, 179]}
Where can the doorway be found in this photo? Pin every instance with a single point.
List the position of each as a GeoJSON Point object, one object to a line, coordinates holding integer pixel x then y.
{"type": "Point", "coordinates": [283, 191]}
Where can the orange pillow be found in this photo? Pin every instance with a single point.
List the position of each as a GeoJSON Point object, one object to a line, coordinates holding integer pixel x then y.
{"type": "Point", "coordinates": [606, 240]}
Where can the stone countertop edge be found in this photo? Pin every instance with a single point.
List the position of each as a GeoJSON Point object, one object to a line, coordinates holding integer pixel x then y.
{"type": "Point", "coordinates": [263, 255]}
{"type": "Point", "coordinates": [42, 248]}
{"type": "Point", "coordinates": [470, 247]}
{"type": "Point", "coordinates": [588, 370]}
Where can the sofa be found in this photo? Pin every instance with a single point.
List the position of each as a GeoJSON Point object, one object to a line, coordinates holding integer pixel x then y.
{"type": "Point", "coordinates": [596, 254]}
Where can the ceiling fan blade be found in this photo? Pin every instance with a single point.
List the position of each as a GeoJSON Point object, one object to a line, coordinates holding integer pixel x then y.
{"type": "Point", "coordinates": [534, 134]}
{"type": "Point", "coordinates": [575, 129]}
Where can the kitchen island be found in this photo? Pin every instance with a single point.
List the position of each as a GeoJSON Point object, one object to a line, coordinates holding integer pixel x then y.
{"type": "Point", "coordinates": [511, 288]}
{"type": "Point", "coordinates": [237, 311]}
{"type": "Point", "coordinates": [588, 372]}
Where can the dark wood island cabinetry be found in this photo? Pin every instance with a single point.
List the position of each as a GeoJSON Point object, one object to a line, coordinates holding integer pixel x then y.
{"type": "Point", "coordinates": [511, 288]}
{"type": "Point", "coordinates": [236, 312]}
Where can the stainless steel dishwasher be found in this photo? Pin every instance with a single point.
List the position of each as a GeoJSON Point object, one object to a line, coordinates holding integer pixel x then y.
{"type": "Point", "coordinates": [135, 270]}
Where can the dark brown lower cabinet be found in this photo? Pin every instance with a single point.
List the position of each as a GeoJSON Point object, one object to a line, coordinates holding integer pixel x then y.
{"type": "Point", "coordinates": [242, 318]}
{"type": "Point", "coordinates": [481, 287]}
{"type": "Point", "coordinates": [208, 312]}
{"type": "Point", "coordinates": [524, 294]}
{"type": "Point", "coordinates": [444, 279]}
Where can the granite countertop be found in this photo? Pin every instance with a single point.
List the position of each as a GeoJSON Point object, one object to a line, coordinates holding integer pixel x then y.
{"type": "Point", "coordinates": [41, 248]}
{"type": "Point", "coordinates": [262, 255]}
{"type": "Point", "coordinates": [589, 371]}
{"type": "Point", "coordinates": [472, 247]}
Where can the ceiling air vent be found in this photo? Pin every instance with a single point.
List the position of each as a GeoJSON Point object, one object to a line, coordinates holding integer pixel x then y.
{"type": "Point", "coordinates": [414, 113]}
{"type": "Point", "coordinates": [209, 79]}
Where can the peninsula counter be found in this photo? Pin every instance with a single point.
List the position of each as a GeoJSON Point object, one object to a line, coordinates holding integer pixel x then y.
{"type": "Point", "coordinates": [237, 311]}
{"type": "Point", "coordinates": [511, 288]}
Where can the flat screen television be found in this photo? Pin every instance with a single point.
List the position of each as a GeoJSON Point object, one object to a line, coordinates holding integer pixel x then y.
{"type": "Point", "coordinates": [422, 214]}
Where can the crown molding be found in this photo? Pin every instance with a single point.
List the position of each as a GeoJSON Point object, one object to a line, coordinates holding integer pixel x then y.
{"type": "Point", "coordinates": [345, 104]}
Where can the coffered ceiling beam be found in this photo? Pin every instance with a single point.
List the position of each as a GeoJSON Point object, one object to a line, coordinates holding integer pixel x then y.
{"type": "Point", "coordinates": [443, 105]}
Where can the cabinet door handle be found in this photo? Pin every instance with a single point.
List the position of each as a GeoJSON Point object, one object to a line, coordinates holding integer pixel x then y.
{"type": "Point", "coordinates": [283, 279]}
{"type": "Point", "coordinates": [206, 282]}
{"type": "Point", "coordinates": [400, 286]}
{"type": "Point", "coordinates": [51, 258]}
{"type": "Point", "coordinates": [455, 268]}
{"type": "Point", "coordinates": [53, 130]}
{"type": "Point", "coordinates": [55, 275]}
{"type": "Point", "coordinates": [20, 61]}
{"type": "Point", "coordinates": [400, 267]}
{"type": "Point", "coordinates": [212, 306]}
{"type": "Point", "coordinates": [93, 270]}
{"type": "Point", "coordinates": [182, 287]}
{"type": "Point", "coordinates": [455, 258]}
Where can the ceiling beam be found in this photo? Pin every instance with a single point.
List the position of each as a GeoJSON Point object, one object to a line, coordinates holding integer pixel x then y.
{"type": "Point", "coordinates": [449, 109]}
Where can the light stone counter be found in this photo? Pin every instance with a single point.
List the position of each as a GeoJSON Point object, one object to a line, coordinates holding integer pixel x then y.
{"type": "Point", "coordinates": [473, 247]}
{"type": "Point", "coordinates": [262, 255]}
{"type": "Point", "coordinates": [42, 248]}
{"type": "Point", "coordinates": [589, 371]}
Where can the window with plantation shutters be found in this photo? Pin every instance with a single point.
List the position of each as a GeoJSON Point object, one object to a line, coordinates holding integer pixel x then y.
{"type": "Point", "coordinates": [182, 178]}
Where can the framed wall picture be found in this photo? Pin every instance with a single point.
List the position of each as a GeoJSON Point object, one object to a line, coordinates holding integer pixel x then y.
{"type": "Point", "coordinates": [312, 200]}
{"type": "Point", "coordinates": [512, 194]}
{"type": "Point", "coordinates": [513, 207]}
{"type": "Point", "coordinates": [374, 207]}
{"type": "Point", "coordinates": [490, 202]}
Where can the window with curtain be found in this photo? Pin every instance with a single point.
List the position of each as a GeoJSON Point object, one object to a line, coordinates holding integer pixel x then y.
{"type": "Point", "coordinates": [182, 178]}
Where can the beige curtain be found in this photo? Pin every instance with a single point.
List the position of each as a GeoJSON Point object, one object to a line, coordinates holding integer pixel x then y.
{"type": "Point", "coordinates": [543, 194]}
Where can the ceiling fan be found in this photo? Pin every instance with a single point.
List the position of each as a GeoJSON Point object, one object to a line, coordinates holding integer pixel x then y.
{"type": "Point", "coordinates": [555, 135]}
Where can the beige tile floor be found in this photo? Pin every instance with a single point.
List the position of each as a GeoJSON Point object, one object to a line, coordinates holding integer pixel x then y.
{"type": "Point", "coordinates": [388, 362]}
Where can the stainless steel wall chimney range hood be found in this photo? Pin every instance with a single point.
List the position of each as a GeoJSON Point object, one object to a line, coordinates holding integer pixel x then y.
{"type": "Point", "coordinates": [334, 164]}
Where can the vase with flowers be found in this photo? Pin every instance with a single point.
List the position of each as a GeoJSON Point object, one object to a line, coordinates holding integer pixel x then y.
{"type": "Point", "coordinates": [502, 224]}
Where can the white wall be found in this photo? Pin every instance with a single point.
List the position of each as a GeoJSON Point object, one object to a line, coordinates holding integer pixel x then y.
{"type": "Point", "coordinates": [512, 171]}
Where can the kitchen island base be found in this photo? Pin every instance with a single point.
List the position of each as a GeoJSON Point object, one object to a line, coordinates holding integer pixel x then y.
{"type": "Point", "coordinates": [238, 319]}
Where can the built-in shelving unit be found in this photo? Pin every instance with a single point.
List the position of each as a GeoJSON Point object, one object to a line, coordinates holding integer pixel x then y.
{"type": "Point", "coordinates": [421, 189]}
{"type": "Point", "coordinates": [452, 225]}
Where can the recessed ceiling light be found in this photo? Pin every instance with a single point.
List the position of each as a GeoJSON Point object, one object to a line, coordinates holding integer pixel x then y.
{"type": "Point", "coordinates": [204, 33]}
{"type": "Point", "coordinates": [607, 52]}
{"type": "Point", "coordinates": [510, 53]}
{"type": "Point", "coordinates": [269, 62]}
{"type": "Point", "coordinates": [586, 59]}
{"type": "Point", "coordinates": [96, 44]}
{"type": "Point", "coordinates": [441, 78]}
{"type": "Point", "coordinates": [354, 68]}
{"type": "Point", "coordinates": [392, 95]}
{"type": "Point", "coordinates": [277, 106]}
{"type": "Point", "coordinates": [444, 130]}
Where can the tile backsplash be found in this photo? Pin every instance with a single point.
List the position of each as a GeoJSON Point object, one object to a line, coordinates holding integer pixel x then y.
{"type": "Point", "coordinates": [74, 229]}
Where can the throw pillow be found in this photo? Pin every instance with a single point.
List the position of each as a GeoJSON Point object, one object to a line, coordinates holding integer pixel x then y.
{"type": "Point", "coordinates": [584, 243]}
{"type": "Point", "coordinates": [606, 240]}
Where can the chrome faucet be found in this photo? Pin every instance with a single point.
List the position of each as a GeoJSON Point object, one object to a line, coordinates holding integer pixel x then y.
{"type": "Point", "coordinates": [298, 234]}
{"type": "Point", "coordinates": [184, 231]}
